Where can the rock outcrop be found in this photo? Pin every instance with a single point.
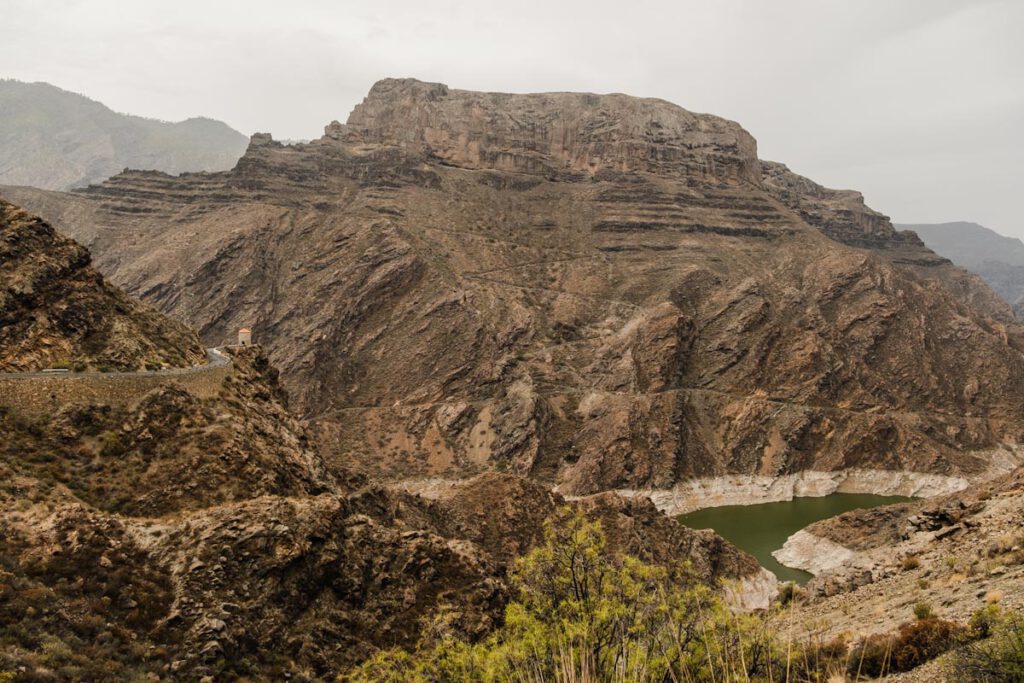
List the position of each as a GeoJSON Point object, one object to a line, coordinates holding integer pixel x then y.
{"type": "Point", "coordinates": [550, 134]}
{"type": "Point", "coordinates": [56, 310]}
{"type": "Point", "coordinates": [505, 515]}
{"type": "Point", "coordinates": [955, 553]}
{"type": "Point", "coordinates": [599, 292]}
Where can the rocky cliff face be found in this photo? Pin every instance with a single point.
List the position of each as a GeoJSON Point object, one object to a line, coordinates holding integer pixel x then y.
{"type": "Point", "coordinates": [56, 310]}
{"type": "Point", "coordinates": [596, 291]}
{"type": "Point", "coordinates": [550, 134]}
{"type": "Point", "coordinates": [57, 140]}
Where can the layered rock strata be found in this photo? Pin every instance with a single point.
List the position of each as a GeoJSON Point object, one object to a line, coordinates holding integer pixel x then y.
{"type": "Point", "coordinates": [600, 292]}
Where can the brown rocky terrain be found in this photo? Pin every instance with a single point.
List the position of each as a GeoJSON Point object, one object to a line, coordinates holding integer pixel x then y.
{"type": "Point", "coordinates": [55, 308]}
{"type": "Point", "coordinates": [276, 580]}
{"type": "Point", "coordinates": [504, 514]}
{"type": "Point", "coordinates": [173, 451]}
{"type": "Point", "coordinates": [181, 536]}
{"type": "Point", "coordinates": [600, 292]}
{"type": "Point", "coordinates": [955, 554]}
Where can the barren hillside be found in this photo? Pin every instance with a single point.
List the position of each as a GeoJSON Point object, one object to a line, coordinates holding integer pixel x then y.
{"type": "Point", "coordinates": [599, 291]}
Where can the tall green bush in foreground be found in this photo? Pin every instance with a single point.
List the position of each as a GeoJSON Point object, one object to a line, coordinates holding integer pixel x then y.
{"type": "Point", "coordinates": [586, 614]}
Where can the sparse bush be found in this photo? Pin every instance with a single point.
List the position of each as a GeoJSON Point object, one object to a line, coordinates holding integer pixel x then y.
{"type": "Point", "coordinates": [984, 621]}
{"type": "Point", "coordinates": [997, 658]}
{"type": "Point", "coordinates": [923, 610]}
{"type": "Point", "coordinates": [915, 643]}
{"type": "Point", "coordinates": [584, 613]}
{"type": "Point", "coordinates": [819, 662]}
{"type": "Point", "coordinates": [788, 592]}
{"type": "Point", "coordinates": [910, 562]}
{"type": "Point", "coordinates": [110, 444]}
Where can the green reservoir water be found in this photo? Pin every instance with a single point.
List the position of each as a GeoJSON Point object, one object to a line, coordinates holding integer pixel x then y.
{"type": "Point", "coordinates": [764, 528]}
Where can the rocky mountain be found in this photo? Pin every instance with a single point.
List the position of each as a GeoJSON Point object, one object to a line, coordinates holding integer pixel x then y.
{"type": "Point", "coordinates": [596, 291]}
{"type": "Point", "coordinates": [55, 309]}
{"type": "Point", "coordinates": [54, 139]}
{"type": "Point", "coordinates": [195, 531]}
{"type": "Point", "coordinates": [997, 259]}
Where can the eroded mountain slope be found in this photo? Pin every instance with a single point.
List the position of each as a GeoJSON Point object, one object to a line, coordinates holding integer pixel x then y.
{"type": "Point", "coordinates": [996, 259]}
{"type": "Point", "coordinates": [598, 291]}
{"type": "Point", "coordinates": [186, 534]}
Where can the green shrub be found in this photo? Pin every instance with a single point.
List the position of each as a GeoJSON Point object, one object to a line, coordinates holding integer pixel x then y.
{"type": "Point", "coordinates": [923, 610]}
{"type": "Point", "coordinates": [584, 613]}
{"type": "Point", "coordinates": [110, 444]}
{"type": "Point", "coordinates": [1000, 656]}
{"type": "Point", "coordinates": [985, 621]}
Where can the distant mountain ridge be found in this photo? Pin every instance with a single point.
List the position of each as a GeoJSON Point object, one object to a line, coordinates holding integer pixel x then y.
{"type": "Point", "coordinates": [999, 260]}
{"type": "Point", "coordinates": [58, 140]}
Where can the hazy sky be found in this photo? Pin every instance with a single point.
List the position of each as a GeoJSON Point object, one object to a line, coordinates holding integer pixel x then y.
{"type": "Point", "coordinates": [917, 103]}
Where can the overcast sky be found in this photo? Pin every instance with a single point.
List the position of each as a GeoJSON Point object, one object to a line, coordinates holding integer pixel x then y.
{"type": "Point", "coordinates": [917, 103]}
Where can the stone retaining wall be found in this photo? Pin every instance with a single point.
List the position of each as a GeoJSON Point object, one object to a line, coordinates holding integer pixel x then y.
{"type": "Point", "coordinates": [35, 396]}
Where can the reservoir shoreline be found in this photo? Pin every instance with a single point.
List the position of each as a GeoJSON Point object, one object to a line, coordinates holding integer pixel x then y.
{"type": "Point", "coordinates": [749, 489]}
{"type": "Point", "coordinates": [763, 530]}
